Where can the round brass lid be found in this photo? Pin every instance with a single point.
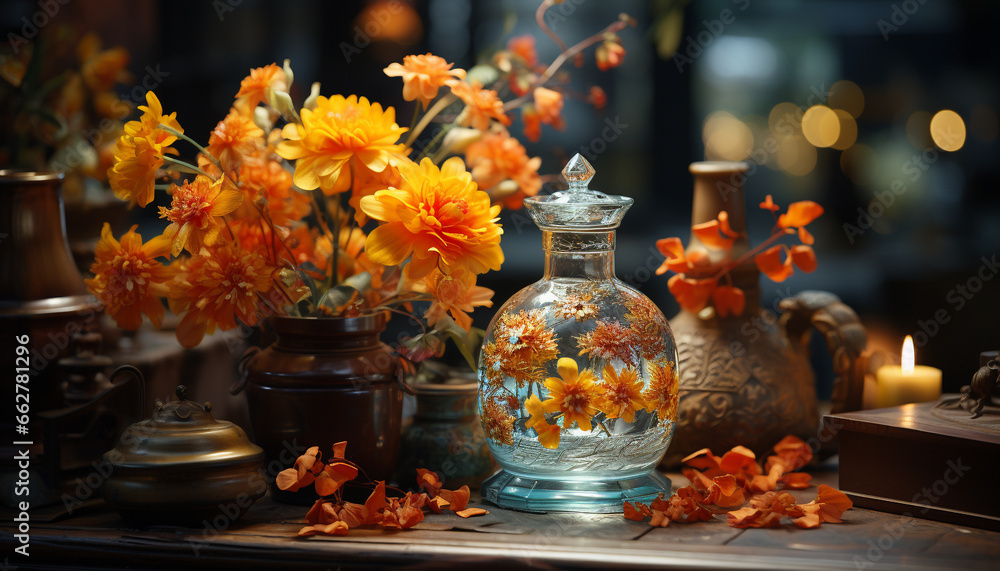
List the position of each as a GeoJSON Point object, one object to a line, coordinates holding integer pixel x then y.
{"type": "Point", "coordinates": [183, 432]}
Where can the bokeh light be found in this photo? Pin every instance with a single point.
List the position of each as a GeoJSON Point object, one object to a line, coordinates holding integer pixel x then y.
{"type": "Point", "coordinates": [848, 96]}
{"type": "Point", "coordinates": [726, 138]}
{"type": "Point", "coordinates": [785, 120]}
{"type": "Point", "coordinates": [918, 130]}
{"type": "Point", "coordinates": [948, 130]}
{"type": "Point", "coordinates": [796, 156]}
{"type": "Point", "coordinates": [821, 126]}
{"type": "Point", "coordinates": [848, 130]}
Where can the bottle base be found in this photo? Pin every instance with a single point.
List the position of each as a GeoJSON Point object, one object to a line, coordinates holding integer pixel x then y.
{"type": "Point", "coordinates": [585, 496]}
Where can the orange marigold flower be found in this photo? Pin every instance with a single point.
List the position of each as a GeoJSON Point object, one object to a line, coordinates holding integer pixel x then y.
{"type": "Point", "coordinates": [524, 47]}
{"type": "Point", "coordinates": [497, 422]}
{"type": "Point", "coordinates": [128, 279]}
{"type": "Point", "coordinates": [338, 134]}
{"type": "Point", "coordinates": [549, 104]}
{"type": "Point", "coordinates": [233, 138]}
{"type": "Point", "coordinates": [139, 153]}
{"type": "Point", "coordinates": [457, 294]}
{"type": "Point", "coordinates": [497, 157]}
{"type": "Point", "coordinates": [216, 287]}
{"type": "Point", "coordinates": [423, 75]}
{"type": "Point", "coordinates": [253, 88]}
{"type": "Point", "coordinates": [101, 70]}
{"type": "Point", "coordinates": [662, 394]}
{"type": "Point", "coordinates": [522, 344]}
{"type": "Point", "coordinates": [609, 340]}
{"type": "Point", "coordinates": [267, 183]}
{"type": "Point", "coordinates": [621, 393]}
{"type": "Point", "coordinates": [195, 211]}
{"type": "Point", "coordinates": [575, 395]}
{"type": "Point", "coordinates": [610, 54]}
{"type": "Point", "coordinates": [647, 324]}
{"type": "Point", "coordinates": [437, 219]}
{"type": "Point", "coordinates": [548, 434]}
{"type": "Point", "coordinates": [481, 105]}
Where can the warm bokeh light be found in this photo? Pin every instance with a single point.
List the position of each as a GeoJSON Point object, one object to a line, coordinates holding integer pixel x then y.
{"type": "Point", "coordinates": [403, 24]}
{"type": "Point", "coordinates": [847, 95]}
{"type": "Point", "coordinates": [821, 126]}
{"type": "Point", "coordinates": [726, 137]}
{"type": "Point", "coordinates": [909, 358]}
{"type": "Point", "coordinates": [918, 130]}
{"type": "Point", "coordinates": [848, 130]}
{"type": "Point", "coordinates": [983, 123]}
{"type": "Point", "coordinates": [785, 119]}
{"type": "Point", "coordinates": [948, 130]}
{"type": "Point", "coordinates": [796, 156]}
{"type": "Point", "coordinates": [859, 163]}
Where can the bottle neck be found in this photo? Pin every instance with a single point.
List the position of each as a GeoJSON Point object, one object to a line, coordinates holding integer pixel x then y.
{"type": "Point", "coordinates": [585, 255]}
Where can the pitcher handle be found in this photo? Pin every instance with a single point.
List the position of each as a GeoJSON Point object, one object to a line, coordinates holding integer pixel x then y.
{"type": "Point", "coordinates": [845, 338]}
{"type": "Point", "coordinates": [244, 370]}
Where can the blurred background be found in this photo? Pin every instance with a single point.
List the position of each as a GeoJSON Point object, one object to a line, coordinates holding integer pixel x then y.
{"type": "Point", "coordinates": [885, 112]}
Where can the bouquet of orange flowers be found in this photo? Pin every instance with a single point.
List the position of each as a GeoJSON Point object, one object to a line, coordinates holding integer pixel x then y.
{"type": "Point", "coordinates": [341, 211]}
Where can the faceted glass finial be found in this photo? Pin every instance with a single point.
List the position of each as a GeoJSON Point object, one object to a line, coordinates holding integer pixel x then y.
{"type": "Point", "coordinates": [578, 173]}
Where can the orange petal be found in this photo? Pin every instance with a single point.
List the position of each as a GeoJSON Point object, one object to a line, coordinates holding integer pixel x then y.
{"type": "Point", "coordinates": [409, 517]}
{"type": "Point", "coordinates": [770, 264]}
{"type": "Point", "coordinates": [438, 504]}
{"type": "Point", "coordinates": [753, 517]}
{"type": "Point", "coordinates": [429, 481]}
{"type": "Point", "coordinates": [769, 204]}
{"type": "Point", "coordinates": [805, 236]}
{"type": "Point", "coordinates": [459, 498]}
{"type": "Point", "coordinates": [631, 513]}
{"type": "Point", "coordinates": [799, 214]}
{"type": "Point", "coordinates": [796, 480]}
{"type": "Point", "coordinates": [810, 519]}
{"type": "Point", "coordinates": [724, 225]}
{"type": "Point", "coordinates": [288, 480]}
{"type": "Point", "coordinates": [804, 258]}
{"type": "Point", "coordinates": [729, 300]}
{"type": "Point", "coordinates": [353, 515]}
{"type": "Point", "coordinates": [675, 261]}
{"type": "Point", "coordinates": [726, 492]}
{"type": "Point", "coordinates": [335, 528]}
{"type": "Point", "coordinates": [708, 233]}
{"type": "Point", "coordinates": [691, 294]}
{"type": "Point", "coordinates": [833, 503]}
{"type": "Point", "coordinates": [339, 449]}
{"type": "Point", "coordinates": [376, 503]}
{"type": "Point", "coordinates": [659, 519]}
{"type": "Point", "coordinates": [471, 512]}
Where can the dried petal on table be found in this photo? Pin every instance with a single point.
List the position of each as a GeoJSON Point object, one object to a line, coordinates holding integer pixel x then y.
{"type": "Point", "coordinates": [470, 512]}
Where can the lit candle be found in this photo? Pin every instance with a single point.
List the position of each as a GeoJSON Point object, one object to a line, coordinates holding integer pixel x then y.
{"type": "Point", "coordinates": [906, 383]}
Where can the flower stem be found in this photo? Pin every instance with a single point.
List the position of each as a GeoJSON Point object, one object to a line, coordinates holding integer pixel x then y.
{"type": "Point", "coordinates": [438, 107]}
{"type": "Point", "coordinates": [756, 250]}
{"type": "Point", "coordinates": [565, 55]}
{"type": "Point", "coordinates": [540, 18]}
{"type": "Point", "coordinates": [184, 166]}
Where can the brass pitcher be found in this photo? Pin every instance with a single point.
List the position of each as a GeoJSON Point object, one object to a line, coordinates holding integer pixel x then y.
{"type": "Point", "coordinates": [746, 380]}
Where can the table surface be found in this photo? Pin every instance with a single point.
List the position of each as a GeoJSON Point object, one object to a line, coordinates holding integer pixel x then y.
{"type": "Point", "coordinates": [95, 538]}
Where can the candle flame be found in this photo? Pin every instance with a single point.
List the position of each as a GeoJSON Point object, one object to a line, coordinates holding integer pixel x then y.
{"type": "Point", "coordinates": [908, 357]}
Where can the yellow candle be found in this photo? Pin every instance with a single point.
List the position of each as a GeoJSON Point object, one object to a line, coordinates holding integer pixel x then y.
{"type": "Point", "coordinates": [906, 383]}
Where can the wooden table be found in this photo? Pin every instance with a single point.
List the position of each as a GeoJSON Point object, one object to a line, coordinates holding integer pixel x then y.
{"type": "Point", "coordinates": [94, 538]}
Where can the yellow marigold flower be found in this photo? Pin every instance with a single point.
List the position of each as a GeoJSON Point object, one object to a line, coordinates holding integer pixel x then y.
{"type": "Point", "coordinates": [481, 105]}
{"type": "Point", "coordinates": [341, 133]}
{"type": "Point", "coordinates": [128, 279]}
{"type": "Point", "coordinates": [233, 138]}
{"type": "Point", "coordinates": [253, 88]}
{"type": "Point", "coordinates": [621, 393]}
{"type": "Point", "coordinates": [575, 394]}
{"type": "Point", "coordinates": [457, 294]}
{"type": "Point", "coordinates": [497, 157]}
{"type": "Point", "coordinates": [548, 434]}
{"type": "Point", "coordinates": [423, 75]}
{"type": "Point", "coordinates": [437, 219]}
{"type": "Point", "coordinates": [216, 287]}
{"type": "Point", "coordinates": [663, 392]}
{"type": "Point", "coordinates": [195, 211]}
{"type": "Point", "coordinates": [139, 153]}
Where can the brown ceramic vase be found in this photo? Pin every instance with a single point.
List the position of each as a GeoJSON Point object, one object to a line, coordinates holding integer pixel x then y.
{"type": "Point", "coordinates": [322, 381]}
{"type": "Point", "coordinates": [746, 380]}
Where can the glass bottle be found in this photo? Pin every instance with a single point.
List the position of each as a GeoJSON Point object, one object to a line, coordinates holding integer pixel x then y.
{"type": "Point", "coordinates": [578, 372]}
